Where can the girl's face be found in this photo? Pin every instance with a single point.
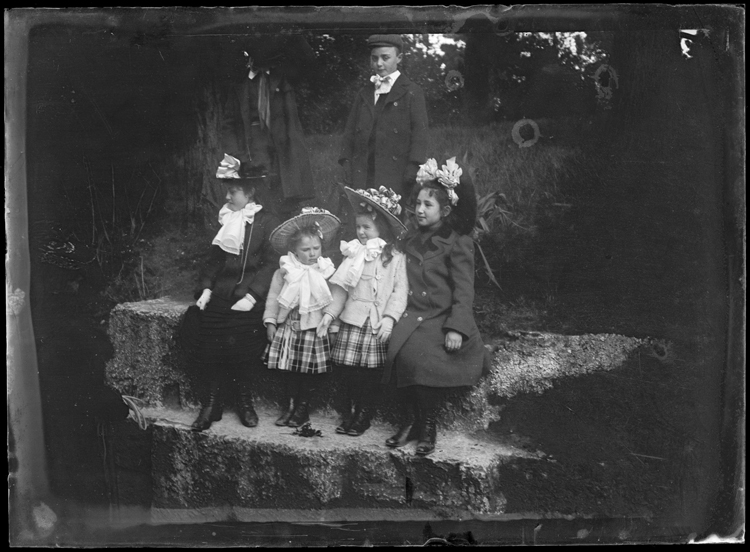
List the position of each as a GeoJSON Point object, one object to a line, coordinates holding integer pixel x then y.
{"type": "Point", "coordinates": [237, 198]}
{"type": "Point", "coordinates": [308, 250]}
{"type": "Point", "coordinates": [366, 229]}
{"type": "Point", "coordinates": [428, 210]}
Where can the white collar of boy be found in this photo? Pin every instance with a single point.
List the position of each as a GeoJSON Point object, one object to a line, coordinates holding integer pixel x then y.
{"type": "Point", "coordinates": [384, 84]}
{"type": "Point", "coordinates": [357, 254]}
{"type": "Point", "coordinates": [305, 285]}
{"type": "Point", "coordinates": [231, 235]}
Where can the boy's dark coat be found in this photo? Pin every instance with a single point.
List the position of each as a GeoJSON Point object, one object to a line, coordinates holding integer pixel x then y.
{"type": "Point", "coordinates": [400, 136]}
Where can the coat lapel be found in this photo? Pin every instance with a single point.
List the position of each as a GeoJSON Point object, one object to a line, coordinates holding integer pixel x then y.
{"type": "Point", "coordinates": [399, 89]}
{"type": "Point", "coordinates": [443, 239]}
{"type": "Point", "coordinates": [368, 96]}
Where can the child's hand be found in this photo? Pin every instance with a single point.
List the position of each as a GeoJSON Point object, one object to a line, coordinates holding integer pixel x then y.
{"type": "Point", "coordinates": [453, 341]}
{"type": "Point", "coordinates": [386, 327]}
{"type": "Point", "coordinates": [270, 331]}
{"type": "Point", "coordinates": [324, 325]}
{"type": "Point", "coordinates": [204, 299]}
{"type": "Point", "coordinates": [245, 304]}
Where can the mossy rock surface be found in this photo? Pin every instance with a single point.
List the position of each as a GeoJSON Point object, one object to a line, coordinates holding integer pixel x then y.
{"type": "Point", "coordinates": [149, 364]}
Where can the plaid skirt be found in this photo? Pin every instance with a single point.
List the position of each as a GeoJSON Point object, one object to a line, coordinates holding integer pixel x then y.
{"type": "Point", "coordinates": [359, 347]}
{"type": "Point", "coordinates": [297, 350]}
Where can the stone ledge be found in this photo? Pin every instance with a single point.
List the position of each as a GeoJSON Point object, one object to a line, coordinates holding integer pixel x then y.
{"type": "Point", "coordinates": [147, 364]}
{"type": "Point", "coordinates": [269, 468]}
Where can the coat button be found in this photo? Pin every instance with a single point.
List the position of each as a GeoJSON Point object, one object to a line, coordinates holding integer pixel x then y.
{"type": "Point", "coordinates": [406, 314]}
{"type": "Point", "coordinates": [395, 158]}
{"type": "Point", "coordinates": [408, 260]}
{"type": "Point", "coordinates": [395, 104]}
{"type": "Point", "coordinates": [277, 90]}
{"type": "Point", "coordinates": [419, 319]}
{"type": "Point", "coordinates": [424, 293]}
{"type": "Point", "coordinates": [395, 131]}
{"type": "Point", "coordinates": [410, 292]}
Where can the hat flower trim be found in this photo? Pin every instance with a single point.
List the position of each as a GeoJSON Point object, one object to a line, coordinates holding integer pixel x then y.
{"type": "Point", "coordinates": [384, 197]}
{"type": "Point", "coordinates": [229, 167]}
{"type": "Point", "coordinates": [449, 176]}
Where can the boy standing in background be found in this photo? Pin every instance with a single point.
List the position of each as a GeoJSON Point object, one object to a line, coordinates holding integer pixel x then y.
{"type": "Point", "coordinates": [385, 138]}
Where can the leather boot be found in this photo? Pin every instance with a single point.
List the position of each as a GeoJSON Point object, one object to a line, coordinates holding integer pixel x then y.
{"type": "Point", "coordinates": [286, 414]}
{"type": "Point", "coordinates": [301, 408]}
{"type": "Point", "coordinates": [361, 421]}
{"type": "Point", "coordinates": [291, 386]}
{"type": "Point", "coordinates": [212, 407]}
{"type": "Point", "coordinates": [245, 410]}
{"type": "Point", "coordinates": [365, 390]}
{"type": "Point", "coordinates": [347, 418]}
{"type": "Point", "coordinates": [409, 429]}
{"type": "Point", "coordinates": [427, 405]}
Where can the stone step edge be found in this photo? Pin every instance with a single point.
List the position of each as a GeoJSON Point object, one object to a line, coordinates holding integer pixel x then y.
{"type": "Point", "coordinates": [344, 515]}
{"type": "Point", "coordinates": [452, 446]}
{"type": "Point", "coordinates": [125, 516]}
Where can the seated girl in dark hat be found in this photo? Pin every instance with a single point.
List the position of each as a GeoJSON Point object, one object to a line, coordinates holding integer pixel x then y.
{"type": "Point", "coordinates": [234, 283]}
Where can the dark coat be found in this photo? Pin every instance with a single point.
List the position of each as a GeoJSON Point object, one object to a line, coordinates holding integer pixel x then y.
{"type": "Point", "coordinates": [441, 296]}
{"type": "Point", "coordinates": [224, 273]}
{"type": "Point", "coordinates": [281, 149]}
{"type": "Point", "coordinates": [400, 139]}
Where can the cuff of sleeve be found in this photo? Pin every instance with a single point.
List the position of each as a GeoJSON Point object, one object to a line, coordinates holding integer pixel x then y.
{"type": "Point", "coordinates": [251, 298]}
{"type": "Point", "coordinates": [448, 328]}
{"type": "Point", "coordinates": [268, 321]}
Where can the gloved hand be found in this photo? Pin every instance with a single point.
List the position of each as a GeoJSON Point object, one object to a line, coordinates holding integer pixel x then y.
{"type": "Point", "coordinates": [386, 327]}
{"type": "Point", "coordinates": [245, 304]}
{"type": "Point", "coordinates": [204, 299]}
{"type": "Point", "coordinates": [325, 323]}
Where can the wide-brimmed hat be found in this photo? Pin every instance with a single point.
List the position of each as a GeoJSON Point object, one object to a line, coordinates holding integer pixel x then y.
{"type": "Point", "coordinates": [378, 40]}
{"type": "Point", "coordinates": [232, 171]}
{"type": "Point", "coordinates": [383, 201]}
{"type": "Point", "coordinates": [327, 223]}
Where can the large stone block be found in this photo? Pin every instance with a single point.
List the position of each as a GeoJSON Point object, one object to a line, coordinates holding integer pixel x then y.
{"type": "Point", "coordinates": [149, 365]}
{"type": "Point", "coordinates": [269, 467]}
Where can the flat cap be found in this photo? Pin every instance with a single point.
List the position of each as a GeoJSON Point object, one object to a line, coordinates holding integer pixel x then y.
{"type": "Point", "coordinates": [378, 40]}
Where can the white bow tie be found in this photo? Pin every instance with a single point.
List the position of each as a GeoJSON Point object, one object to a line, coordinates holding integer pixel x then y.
{"type": "Point", "coordinates": [383, 83]}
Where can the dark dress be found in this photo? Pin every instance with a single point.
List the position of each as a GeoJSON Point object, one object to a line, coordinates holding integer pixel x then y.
{"type": "Point", "coordinates": [281, 149]}
{"type": "Point", "coordinates": [441, 294]}
{"type": "Point", "coordinates": [227, 336]}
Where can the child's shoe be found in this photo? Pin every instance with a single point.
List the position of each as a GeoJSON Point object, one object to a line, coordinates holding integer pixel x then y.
{"type": "Point", "coordinates": [286, 416]}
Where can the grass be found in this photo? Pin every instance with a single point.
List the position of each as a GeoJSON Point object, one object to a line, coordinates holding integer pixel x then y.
{"type": "Point", "coordinates": [513, 184]}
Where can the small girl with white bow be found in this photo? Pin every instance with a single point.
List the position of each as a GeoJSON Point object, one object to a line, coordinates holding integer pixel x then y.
{"type": "Point", "coordinates": [370, 293]}
{"type": "Point", "coordinates": [294, 309]}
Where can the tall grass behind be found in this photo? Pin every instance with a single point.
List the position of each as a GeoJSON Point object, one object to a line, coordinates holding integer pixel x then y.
{"type": "Point", "coordinates": [524, 183]}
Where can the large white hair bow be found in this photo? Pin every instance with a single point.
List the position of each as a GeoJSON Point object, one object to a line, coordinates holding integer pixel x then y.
{"type": "Point", "coordinates": [449, 176]}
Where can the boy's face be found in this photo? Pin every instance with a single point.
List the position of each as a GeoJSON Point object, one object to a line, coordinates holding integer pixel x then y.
{"type": "Point", "coordinates": [384, 60]}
